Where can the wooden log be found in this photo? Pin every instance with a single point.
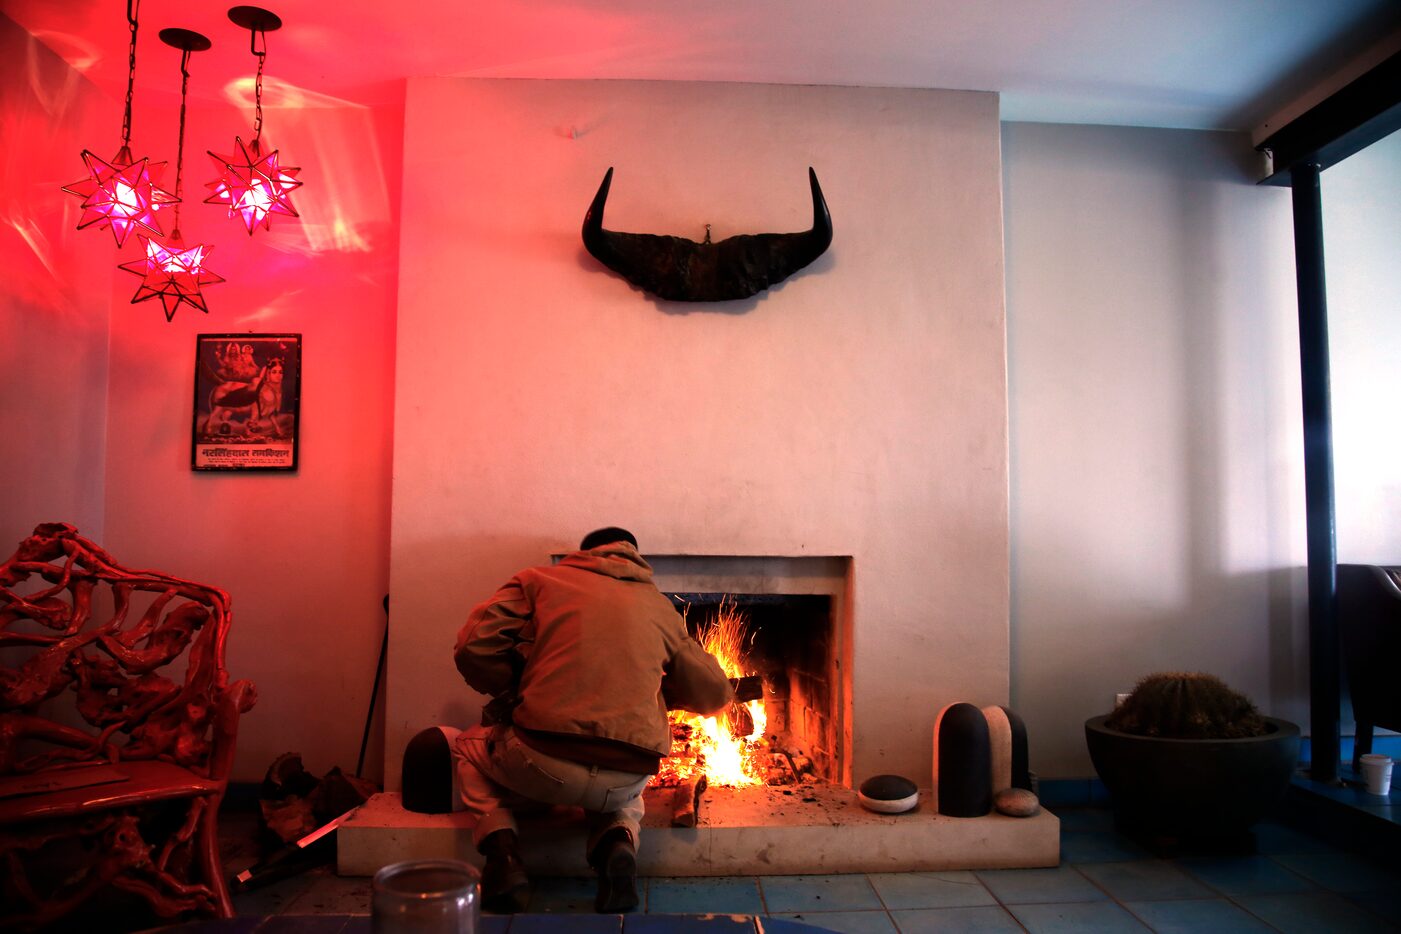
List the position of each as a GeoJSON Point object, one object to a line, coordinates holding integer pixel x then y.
{"type": "Point", "coordinates": [685, 802]}
{"type": "Point", "coordinates": [741, 721]}
{"type": "Point", "coordinates": [748, 688]}
{"type": "Point", "coordinates": [780, 770]}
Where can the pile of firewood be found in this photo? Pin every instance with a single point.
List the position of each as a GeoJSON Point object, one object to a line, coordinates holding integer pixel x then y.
{"type": "Point", "coordinates": [294, 802]}
{"type": "Point", "coordinates": [789, 769]}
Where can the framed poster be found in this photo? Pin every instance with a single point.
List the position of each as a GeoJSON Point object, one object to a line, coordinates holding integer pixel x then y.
{"type": "Point", "coordinates": [247, 402]}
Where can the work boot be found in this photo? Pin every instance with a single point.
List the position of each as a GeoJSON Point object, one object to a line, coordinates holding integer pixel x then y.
{"type": "Point", "coordinates": [505, 885]}
{"type": "Point", "coordinates": [615, 860]}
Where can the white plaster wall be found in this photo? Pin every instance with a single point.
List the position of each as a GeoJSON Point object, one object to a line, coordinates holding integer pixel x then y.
{"type": "Point", "coordinates": [858, 409]}
{"type": "Point", "coordinates": [53, 294]}
{"type": "Point", "coordinates": [1362, 228]}
{"type": "Point", "coordinates": [1157, 484]}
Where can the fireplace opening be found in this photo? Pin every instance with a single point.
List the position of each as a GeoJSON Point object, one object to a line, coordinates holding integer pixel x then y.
{"type": "Point", "coordinates": [790, 734]}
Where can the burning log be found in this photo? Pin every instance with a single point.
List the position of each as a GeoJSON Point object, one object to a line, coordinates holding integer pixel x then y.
{"type": "Point", "coordinates": [685, 802]}
{"type": "Point", "coordinates": [780, 770]}
{"type": "Point", "coordinates": [749, 688]}
{"type": "Point", "coordinates": [729, 749]}
{"type": "Point", "coordinates": [741, 721]}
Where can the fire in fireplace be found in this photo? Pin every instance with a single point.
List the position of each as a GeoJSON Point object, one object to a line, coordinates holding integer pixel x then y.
{"type": "Point", "coordinates": [789, 735]}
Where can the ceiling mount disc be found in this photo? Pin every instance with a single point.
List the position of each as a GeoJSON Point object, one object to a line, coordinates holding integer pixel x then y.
{"type": "Point", "coordinates": [185, 39]}
{"type": "Point", "coordinates": [255, 18]}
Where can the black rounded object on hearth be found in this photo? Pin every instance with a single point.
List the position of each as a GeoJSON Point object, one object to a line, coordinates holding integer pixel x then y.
{"type": "Point", "coordinates": [427, 771]}
{"type": "Point", "coordinates": [888, 794]}
{"type": "Point", "coordinates": [962, 762]}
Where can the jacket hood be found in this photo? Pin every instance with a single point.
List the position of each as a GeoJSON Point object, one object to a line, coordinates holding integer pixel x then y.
{"type": "Point", "coordinates": [616, 559]}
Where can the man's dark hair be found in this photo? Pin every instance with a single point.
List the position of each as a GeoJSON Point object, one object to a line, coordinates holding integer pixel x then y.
{"type": "Point", "coordinates": [606, 537]}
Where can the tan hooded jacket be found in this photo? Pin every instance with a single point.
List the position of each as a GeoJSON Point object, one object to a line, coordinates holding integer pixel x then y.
{"type": "Point", "coordinates": [592, 649]}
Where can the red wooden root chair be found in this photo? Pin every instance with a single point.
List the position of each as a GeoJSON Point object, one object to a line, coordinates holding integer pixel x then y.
{"type": "Point", "coordinates": [117, 728]}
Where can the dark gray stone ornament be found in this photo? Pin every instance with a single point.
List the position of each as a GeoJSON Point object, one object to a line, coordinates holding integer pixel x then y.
{"type": "Point", "coordinates": [888, 794]}
{"type": "Point", "coordinates": [682, 270]}
{"type": "Point", "coordinates": [963, 771]}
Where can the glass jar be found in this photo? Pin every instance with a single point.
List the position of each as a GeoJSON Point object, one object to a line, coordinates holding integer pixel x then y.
{"type": "Point", "coordinates": [426, 896]}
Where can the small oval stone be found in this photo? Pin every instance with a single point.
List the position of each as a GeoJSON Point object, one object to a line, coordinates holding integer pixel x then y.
{"type": "Point", "coordinates": [1016, 802]}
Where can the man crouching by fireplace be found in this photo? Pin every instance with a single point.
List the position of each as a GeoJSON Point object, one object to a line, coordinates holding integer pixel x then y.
{"type": "Point", "coordinates": [582, 659]}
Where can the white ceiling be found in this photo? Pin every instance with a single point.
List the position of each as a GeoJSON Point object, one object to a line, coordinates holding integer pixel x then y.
{"type": "Point", "coordinates": [1179, 63]}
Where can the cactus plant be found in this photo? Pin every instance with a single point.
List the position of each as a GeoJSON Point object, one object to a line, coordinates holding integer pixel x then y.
{"type": "Point", "coordinates": [1187, 705]}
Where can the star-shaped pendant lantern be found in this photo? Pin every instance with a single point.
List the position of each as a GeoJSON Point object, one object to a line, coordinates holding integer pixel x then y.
{"type": "Point", "coordinates": [173, 274]}
{"type": "Point", "coordinates": [253, 184]}
{"type": "Point", "coordinates": [121, 194]}
{"type": "Point", "coordinates": [169, 271]}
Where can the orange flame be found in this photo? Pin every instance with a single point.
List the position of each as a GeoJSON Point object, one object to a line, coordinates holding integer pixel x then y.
{"type": "Point", "coordinates": [729, 748]}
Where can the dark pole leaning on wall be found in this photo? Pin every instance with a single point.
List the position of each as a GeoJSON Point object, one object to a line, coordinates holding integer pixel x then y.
{"type": "Point", "coordinates": [374, 693]}
{"type": "Point", "coordinates": [1324, 687]}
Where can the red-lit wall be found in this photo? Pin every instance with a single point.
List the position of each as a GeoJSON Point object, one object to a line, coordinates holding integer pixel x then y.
{"type": "Point", "coordinates": [53, 294]}
{"type": "Point", "coordinates": [98, 431]}
{"type": "Point", "coordinates": [304, 555]}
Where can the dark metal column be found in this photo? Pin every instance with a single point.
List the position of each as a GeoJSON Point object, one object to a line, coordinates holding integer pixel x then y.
{"type": "Point", "coordinates": [1324, 689]}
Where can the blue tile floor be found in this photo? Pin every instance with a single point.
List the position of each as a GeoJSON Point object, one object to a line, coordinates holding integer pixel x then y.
{"type": "Point", "coordinates": [1353, 793]}
{"type": "Point", "coordinates": [1105, 882]}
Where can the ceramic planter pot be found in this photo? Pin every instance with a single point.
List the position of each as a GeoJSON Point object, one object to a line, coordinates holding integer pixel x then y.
{"type": "Point", "coordinates": [1193, 787]}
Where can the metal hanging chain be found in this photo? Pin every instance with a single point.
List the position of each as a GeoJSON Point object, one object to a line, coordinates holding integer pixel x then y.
{"type": "Point", "coordinates": [258, 84]}
{"type": "Point", "coordinates": [132, 9]}
{"type": "Point", "coordinates": [180, 146]}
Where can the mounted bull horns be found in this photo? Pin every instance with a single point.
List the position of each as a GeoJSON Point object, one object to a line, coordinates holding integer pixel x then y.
{"type": "Point", "coordinates": [682, 270]}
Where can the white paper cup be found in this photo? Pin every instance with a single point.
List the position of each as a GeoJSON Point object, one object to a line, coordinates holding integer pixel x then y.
{"type": "Point", "coordinates": [1376, 771]}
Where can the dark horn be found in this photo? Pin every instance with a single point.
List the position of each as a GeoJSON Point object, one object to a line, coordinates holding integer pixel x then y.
{"type": "Point", "coordinates": [821, 233]}
{"type": "Point", "coordinates": [593, 220]}
{"type": "Point", "coordinates": [677, 269]}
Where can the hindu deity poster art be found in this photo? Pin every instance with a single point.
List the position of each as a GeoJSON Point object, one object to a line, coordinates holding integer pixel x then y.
{"type": "Point", "coordinates": [247, 401]}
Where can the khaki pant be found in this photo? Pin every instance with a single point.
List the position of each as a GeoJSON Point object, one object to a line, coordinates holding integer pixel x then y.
{"type": "Point", "coordinates": [497, 773]}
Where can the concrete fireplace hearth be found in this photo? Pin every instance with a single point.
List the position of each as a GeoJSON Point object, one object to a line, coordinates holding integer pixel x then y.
{"type": "Point", "coordinates": [757, 831]}
{"type": "Point", "coordinates": [812, 828]}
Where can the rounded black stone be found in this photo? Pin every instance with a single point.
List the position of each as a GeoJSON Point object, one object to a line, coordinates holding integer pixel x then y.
{"type": "Point", "coordinates": [888, 794]}
{"type": "Point", "coordinates": [965, 762]}
{"type": "Point", "coordinates": [427, 773]}
{"type": "Point", "coordinates": [888, 787]}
